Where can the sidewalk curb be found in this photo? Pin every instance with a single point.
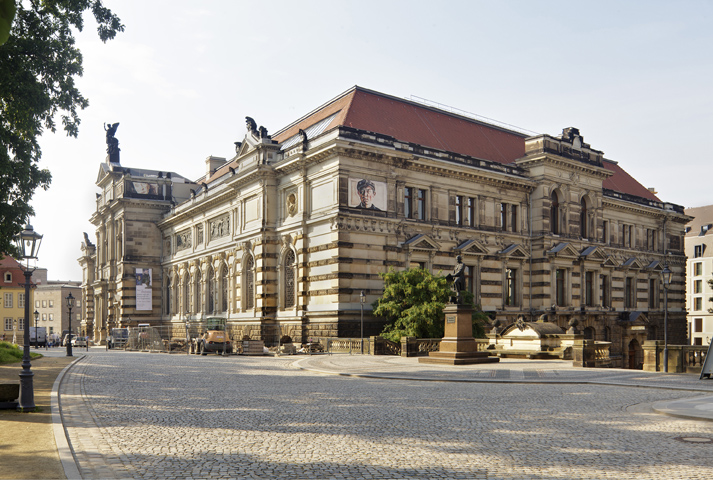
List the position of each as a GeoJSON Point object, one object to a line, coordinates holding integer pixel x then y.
{"type": "Point", "coordinates": [66, 455]}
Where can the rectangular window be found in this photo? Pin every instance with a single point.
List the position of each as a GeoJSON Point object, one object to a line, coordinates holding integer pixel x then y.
{"type": "Point", "coordinates": [79, 317]}
{"type": "Point", "coordinates": [471, 211]}
{"type": "Point", "coordinates": [651, 238]}
{"type": "Point", "coordinates": [21, 300]}
{"type": "Point", "coordinates": [408, 202]}
{"type": "Point", "coordinates": [20, 323]}
{"type": "Point", "coordinates": [698, 286]}
{"type": "Point", "coordinates": [503, 217]}
{"type": "Point", "coordinates": [37, 304]}
{"type": "Point", "coordinates": [51, 317]}
{"type": "Point", "coordinates": [698, 341]}
{"type": "Point", "coordinates": [8, 300]}
{"type": "Point", "coordinates": [417, 265]}
{"type": "Point", "coordinates": [8, 324]}
{"type": "Point", "coordinates": [698, 269]}
{"type": "Point", "coordinates": [510, 287]}
{"type": "Point", "coordinates": [421, 208]}
{"type": "Point", "coordinates": [560, 287]}
{"type": "Point", "coordinates": [628, 292]}
{"type": "Point", "coordinates": [697, 251]}
{"type": "Point", "coordinates": [469, 286]}
{"type": "Point", "coordinates": [605, 232]}
{"type": "Point", "coordinates": [605, 291]}
{"type": "Point", "coordinates": [513, 217]}
{"type": "Point", "coordinates": [698, 304]}
{"type": "Point", "coordinates": [51, 330]}
{"type": "Point", "coordinates": [653, 292]}
{"type": "Point", "coordinates": [78, 302]}
{"type": "Point", "coordinates": [460, 218]}
{"type": "Point", "coordinates": [44, 317]}
{"type": "Point", "coordinates": [589, 289]}
{"type": "Point", "coordinates": [44, 303]}
{"type": "Point", "coordinates": [51, 303]}
{"type": "Point", "coordinates": [698, 325]}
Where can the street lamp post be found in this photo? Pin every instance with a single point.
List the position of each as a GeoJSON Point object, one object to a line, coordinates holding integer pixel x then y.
{"type": "Point", "coordinates": [666, 274]}
{"type": "Point", "coordinates": [362, 297]}
{"type": "Point", "coordinates": [70, 303]}
{"type": "Point", "coordinates": [37, 337]}
{"type": "Point", "coordinates": [28, 243]}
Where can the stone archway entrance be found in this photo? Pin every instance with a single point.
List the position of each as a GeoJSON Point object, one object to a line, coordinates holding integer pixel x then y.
{"type": "Point", "coordinates": [636, 355]}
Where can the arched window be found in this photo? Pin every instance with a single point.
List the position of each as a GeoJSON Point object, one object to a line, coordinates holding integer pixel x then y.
{"type": "Point", "coordinates": [249, 283]}
{"type": "Point", "coordinates": [168, 296]}
{"type": "Point", "coordinates": [583, 219]}
{"type": "Point", "coordinates": [198, 305]}
{"type": "Point", "coordinates": [211, 291]}
{"type": "Point", "coordinates": [289, 279]}
{"type": "Point", "coordinates": [224, 289]}
{"type": "Point", "coordinates": [555, 214]}
{"type": "Point", "coordinates": [589, 333]}
{"type": "Point", "coordinates": [186, 294]}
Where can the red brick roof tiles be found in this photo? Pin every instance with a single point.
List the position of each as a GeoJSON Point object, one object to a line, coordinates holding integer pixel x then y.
{"type": "Point", "coordinates": [412, 122]}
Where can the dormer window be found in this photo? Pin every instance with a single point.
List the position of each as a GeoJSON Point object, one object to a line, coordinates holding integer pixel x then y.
{"type": "Point", "coordinates": [8, 277]}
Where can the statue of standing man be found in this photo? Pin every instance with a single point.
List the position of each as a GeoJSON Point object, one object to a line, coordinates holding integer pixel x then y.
{"type": "Point", "coordinates": [457, 279]}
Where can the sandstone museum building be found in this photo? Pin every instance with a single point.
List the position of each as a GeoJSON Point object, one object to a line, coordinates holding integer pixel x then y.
{"type": "Point", "coordinates": [285, 235]}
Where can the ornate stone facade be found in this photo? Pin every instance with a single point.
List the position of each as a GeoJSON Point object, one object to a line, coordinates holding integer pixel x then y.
{"type": "Point", "coordinates": [297, 224]}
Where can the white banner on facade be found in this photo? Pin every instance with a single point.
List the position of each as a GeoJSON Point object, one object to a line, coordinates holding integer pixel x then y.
{"type": "Point", "coordinates": [143, 289]}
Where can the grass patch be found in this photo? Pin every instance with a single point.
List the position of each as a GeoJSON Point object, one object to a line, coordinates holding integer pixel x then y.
{"type": "Point", "coordinates": [10, 353]}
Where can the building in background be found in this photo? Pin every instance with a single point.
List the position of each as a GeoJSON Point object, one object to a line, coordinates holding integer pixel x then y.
{"type": "Point", "coordinates": [12, 293]}
{"type": "Point", "coordinates": [50, 302]}
{"type": "Point", "coordinates": [699, 253]}
{"type": "Point", "coordinates": [284, 236]}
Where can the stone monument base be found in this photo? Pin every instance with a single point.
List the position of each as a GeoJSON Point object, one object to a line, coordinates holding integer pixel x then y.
{"type": "Point", "coordinates": [458, 346]}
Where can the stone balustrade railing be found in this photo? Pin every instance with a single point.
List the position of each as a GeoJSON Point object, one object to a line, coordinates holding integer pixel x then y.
{"type": "Point", "coordinates": [681, 358]}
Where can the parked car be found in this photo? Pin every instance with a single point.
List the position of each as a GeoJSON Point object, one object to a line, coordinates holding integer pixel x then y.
{"type": "Point", "coordinates": [79, 341]}
{"type": "Point", "coordinates": [66, 339]}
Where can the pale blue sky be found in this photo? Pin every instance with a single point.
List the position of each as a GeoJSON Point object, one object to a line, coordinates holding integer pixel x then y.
{"type": "Point", "coordinates": [633, 76]}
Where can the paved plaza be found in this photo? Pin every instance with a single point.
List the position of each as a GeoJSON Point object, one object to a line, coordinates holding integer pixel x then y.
{"type": "Point", "coordinates": [141, 415]}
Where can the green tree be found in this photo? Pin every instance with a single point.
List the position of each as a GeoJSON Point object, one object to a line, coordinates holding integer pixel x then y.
{"type": "Point", "coordinates": [413, 303]}
{"type": "Point", "coordinates": [38, 66]}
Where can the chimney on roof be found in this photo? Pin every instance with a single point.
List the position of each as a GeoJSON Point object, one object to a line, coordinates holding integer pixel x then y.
{"type": "Point", "coordinates": [212, 164]}
{"type": "Point", "coordinates": [653, 190]}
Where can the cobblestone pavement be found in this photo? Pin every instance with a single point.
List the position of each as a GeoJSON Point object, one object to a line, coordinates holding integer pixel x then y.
{"type": "Point", "coordinates": [139, 415]}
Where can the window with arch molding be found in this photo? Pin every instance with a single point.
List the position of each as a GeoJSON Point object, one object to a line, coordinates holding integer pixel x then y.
{"type": "Point", "coordinates": [555, 214]}
{"type": "Point", "coordinates": [583, 219]}
{"type": "Point", "coordinates": [249, 282]}
{"type": "Point", "coordinates": [197, 294]}
{"type": "Point", "coordinates": [224, 289]}
{"type": "Point", "coordinates": [186, 294]}
{"type": "Point", "coordinates": [211, 290]}
{"type": "Point", "coordinates": [289, 266]}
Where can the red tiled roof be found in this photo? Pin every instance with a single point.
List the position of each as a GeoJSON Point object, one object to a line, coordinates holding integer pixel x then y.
{"type": "Point", "coordinates": [412, 122]}
{"type": "Point", "coordinates": [408, 121]}
{"type": "Point", "coordinates": [624, 183]}
{"type": "Point", "coordinates": [9, 264]}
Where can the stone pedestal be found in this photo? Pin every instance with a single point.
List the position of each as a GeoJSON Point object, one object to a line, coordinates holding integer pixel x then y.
{"type": "Point", "coordinates": [458, 346]}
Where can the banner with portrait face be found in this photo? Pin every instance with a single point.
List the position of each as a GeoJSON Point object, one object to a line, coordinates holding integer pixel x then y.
{"type": "Point", "coordinates": [367, 194]}
{"type": "Point", "coordinates": [143, 289]}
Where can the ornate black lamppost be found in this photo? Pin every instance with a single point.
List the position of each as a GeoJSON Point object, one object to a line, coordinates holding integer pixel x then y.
{"type": "Point", "coordinates": [362, 297]}
{"type": "Point", "coordinates": [70, 303]}
{"type": "Point", "coordinates": [666, 276]}
{"type": "Point", "coordinates": [37, 337]}
{"type": "Point", "coordinates": [28, 243]}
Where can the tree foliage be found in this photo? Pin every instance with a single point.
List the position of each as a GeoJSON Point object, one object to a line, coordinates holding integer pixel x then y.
{"type": "Point", "coordinates": [413, 303]}
{"type": "Point", "coordinates": [38, 66]}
